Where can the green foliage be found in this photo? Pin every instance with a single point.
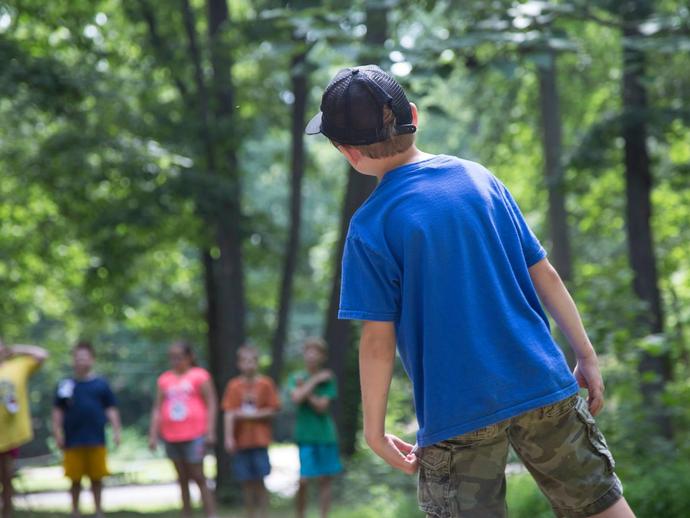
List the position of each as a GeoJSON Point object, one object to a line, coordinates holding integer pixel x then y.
{"type": "Point", "coordinates": [105, 193]}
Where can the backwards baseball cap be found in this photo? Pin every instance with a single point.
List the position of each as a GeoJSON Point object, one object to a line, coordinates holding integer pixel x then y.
{"type": "Point", "coordinates": [352, 107]}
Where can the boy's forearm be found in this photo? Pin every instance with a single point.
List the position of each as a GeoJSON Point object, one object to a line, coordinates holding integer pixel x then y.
{"type": "Point", "coordinates": [57, 420]}
{"type": "Point", "coordinates": [229, 424]}
{"type": "Point", "coordinates": [153, 428]}
{"type": "Point", "coordinates": [299, 394]}
{"type": "Point", "coordinates": [113, 415]}
{"type": "Point", "coordinates": [560, 305]}
{"type": "Point", "coordinates": [36, 352]}
{"type": "Point", "coordinates": [376, 359]}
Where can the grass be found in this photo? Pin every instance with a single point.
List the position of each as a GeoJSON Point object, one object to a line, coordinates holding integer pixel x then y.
{"type": "Point", "coordinates": [363, 493]}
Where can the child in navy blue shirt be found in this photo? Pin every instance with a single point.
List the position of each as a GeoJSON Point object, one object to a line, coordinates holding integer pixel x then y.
{"type": "Point", "coordinates": [83, 404]}
{"type": "Point", "coordinates": [440, 260]}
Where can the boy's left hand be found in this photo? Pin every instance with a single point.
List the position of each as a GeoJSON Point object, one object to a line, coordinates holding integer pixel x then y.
{"type": "Point", "coordinates": [588, 376]}
{"type": "Point", "coordinates": [396, 452]}
{"type": "Point", "coordinates": [116, 437]}
{"type": "Point", "coordinates": [211, 438]}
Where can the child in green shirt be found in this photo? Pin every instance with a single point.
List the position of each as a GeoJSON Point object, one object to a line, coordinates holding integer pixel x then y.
{"type": "Point", "coordinates": [312, 390]}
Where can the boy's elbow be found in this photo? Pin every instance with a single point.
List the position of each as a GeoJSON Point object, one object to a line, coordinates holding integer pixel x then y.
{"type": "Point", "coordinates": [544, 274]}
{"type": "Point", "coordinates": [372, 439]}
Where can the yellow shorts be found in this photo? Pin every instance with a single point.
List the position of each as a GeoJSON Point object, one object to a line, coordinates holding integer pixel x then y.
{"type": "Point", "coordinates": [87, 461]}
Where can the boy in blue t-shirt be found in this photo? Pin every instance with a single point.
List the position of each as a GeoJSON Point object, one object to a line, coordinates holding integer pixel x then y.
{"type": "Point", "coordinates": [440, 260]}
{"type": "Point", "coordinates": [82, 406]}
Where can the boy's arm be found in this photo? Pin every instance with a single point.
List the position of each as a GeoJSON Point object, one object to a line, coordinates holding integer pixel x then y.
{"type": "Point", "coordinates": [560, 305]}
{"type": "Point", "coordinates": [376, 358]}
{"type": "Point", "coordinates": [209, 395]}
{"type": "Point", "coordinates": [155, 420]}
{"type": "Point", "coordinates": [37, 353]}
{"type": "Point", "coordinates": [262, 413]}
{"type": "Point", "coordinates": [269, 409]}
{"type": "Point", "coordinates": [57, 419]}
{"type": "Point", "coordinates": [303, 391]}
{"type": "Point", "coordinates": [113, 415]}
{"type": "Point", "coordinates": [229, 431]}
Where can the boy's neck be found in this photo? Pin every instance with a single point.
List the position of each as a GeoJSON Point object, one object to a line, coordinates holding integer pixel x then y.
{"type": "Point", "coordinates": [249, 376]}
{"type": "Point", "coordinates": [81, 376]}
{"type": "Point", "coordinates": [412, 155]}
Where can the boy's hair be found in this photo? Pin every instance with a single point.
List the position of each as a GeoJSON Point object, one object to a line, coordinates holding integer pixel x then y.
{"type": "Point", "coordinates": [317, 343]}
{"type": "Point", "coordinates": [247, 349]}
{"type": "Point", "coordinates": [84, 345]}
{"type": "Point", "coordinates": [394, 143]}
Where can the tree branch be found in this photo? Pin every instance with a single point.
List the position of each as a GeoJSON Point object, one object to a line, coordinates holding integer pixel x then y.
{"type": "Point", "coordinates": [160, 48]}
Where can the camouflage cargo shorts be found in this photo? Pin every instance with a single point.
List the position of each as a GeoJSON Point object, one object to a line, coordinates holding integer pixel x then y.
{"type": "Point", "coordinates": [561, 446]}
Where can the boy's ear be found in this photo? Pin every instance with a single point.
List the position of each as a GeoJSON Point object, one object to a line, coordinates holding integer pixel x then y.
{"type": "Point", "coordinates": [415, 114]}
{"type": "Point", "coordinates": [352, 154]}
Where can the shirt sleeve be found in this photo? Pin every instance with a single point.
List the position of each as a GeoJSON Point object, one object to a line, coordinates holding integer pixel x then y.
{"type": "Point", "coordinates": [370, 286]}
{"type": "Point", "coordinates": [531, 247]}
{"type": "Point", "coordinates": [58, 402]}
{"type": "Point", "coordinates": [109, 400]}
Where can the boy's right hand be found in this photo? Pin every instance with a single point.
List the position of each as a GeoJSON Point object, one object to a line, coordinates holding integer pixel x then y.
{"type": "Point", "coordinates": [153, 443]}
{"type": "Point", "coordinates": [588, 376]}
{"type": "Point", "coordinates": [396, 452]}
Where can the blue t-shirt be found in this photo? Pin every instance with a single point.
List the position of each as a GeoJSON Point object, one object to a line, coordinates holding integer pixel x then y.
{"type": "Point", "coordinates": [84, 403]}
{"type": "Point", "coordinates": [441, 249]}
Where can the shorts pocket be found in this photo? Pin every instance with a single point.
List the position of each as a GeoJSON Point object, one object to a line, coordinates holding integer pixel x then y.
{"type": "Point", "coordinates": [596, 438]}
{"type": "Point", "coordinates": [434, 481]}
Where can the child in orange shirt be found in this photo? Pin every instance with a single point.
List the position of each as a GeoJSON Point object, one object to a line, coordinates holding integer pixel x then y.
{"type": "Point", "coordinates": [250, 401]}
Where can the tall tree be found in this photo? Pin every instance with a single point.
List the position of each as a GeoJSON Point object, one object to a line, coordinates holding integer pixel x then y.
{"type": "Point", "coordinates": [638, 213]}
{"type": "Point", "coordinates": [227, 268]}
{"type": "Point", "coordinates": [553, 168]}
{"type": "Point", "coordinates": [300, 91]}
{"type": "Point", "coordinates": [340, 334]}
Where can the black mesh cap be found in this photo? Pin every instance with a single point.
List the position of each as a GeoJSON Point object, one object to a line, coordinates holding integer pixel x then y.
{"type": "Point", "coordinates": [352, 107]}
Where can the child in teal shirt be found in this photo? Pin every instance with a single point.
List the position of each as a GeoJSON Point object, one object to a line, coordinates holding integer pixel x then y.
{"type": "Point", "coordinates": [312, 390]}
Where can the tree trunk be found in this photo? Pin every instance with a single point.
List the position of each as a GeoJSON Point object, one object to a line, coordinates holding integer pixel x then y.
{"type": "Point", "coordinates": [300, 90]}
{"type": "Point", "coordinates": [560, 254]}
{"type": "Point", "coordinates": [228, 267]}
{"type": "Point", "coordinates": [638, 178]}
{"type": "Point", "coordinates": [553, 168]}
{"type": "Point", "coordinates": [340, 334]}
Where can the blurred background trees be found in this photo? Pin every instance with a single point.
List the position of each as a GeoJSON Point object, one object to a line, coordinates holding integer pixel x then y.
{"type": "Point", "coordinates": [155, 183]}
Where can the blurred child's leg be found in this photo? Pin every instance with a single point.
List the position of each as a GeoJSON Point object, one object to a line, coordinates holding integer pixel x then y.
{"type": "Point", "coordinates": [97, 490]}
{"type": "Point", "coordinates": [75, 491]}
{"type": "Point", "coordinates": [97, 470]}
{"type": "Point", "coordinates": [261, 499]}
{"type": "Point", "coordinates": [325, 485]}
{"type": "Point", "coordinates": [196, 473]}
{"type": "Point", "coordinates": [301, 498]}
{"type": "Point", "coordinates": [183, 479]}
{"type": "Point", "coordinates": [248, 497]}
{"type": "Point", "coordinates": [6, 466]}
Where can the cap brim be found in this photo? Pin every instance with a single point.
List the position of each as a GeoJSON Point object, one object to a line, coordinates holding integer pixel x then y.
{"type": "Point", "coordinates": [314, 125]}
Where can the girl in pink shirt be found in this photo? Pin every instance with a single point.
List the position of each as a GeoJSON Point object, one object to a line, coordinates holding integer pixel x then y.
{"type": "Point", "coordinates": [184, 416]}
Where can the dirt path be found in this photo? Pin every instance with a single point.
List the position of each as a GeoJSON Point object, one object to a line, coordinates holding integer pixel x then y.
{"type": "Point", "coordinates": [282, 480]}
